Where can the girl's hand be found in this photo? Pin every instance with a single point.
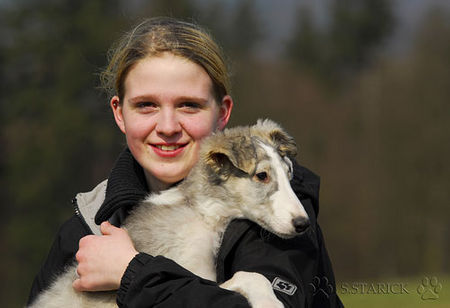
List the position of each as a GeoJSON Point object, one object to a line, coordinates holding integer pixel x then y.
{"type": "Point", "coordinates": [102, 260]}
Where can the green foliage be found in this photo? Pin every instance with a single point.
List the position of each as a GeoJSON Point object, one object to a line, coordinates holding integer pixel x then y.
{"type": "Point", "coordinates": [346, 43]}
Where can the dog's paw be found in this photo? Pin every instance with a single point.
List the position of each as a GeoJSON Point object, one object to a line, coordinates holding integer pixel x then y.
{"type": "Point", "coordinates": [255, 287]}
{"type": "Point", "coordinates": [267, 303]}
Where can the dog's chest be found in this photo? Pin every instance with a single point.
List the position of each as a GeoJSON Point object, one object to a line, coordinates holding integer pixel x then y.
{"type": "Point", "coordinates": [178, 233]}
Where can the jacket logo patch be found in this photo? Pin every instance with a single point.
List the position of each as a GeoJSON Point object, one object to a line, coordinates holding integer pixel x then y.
{"type": "Point", "coordinates": [284, 286]}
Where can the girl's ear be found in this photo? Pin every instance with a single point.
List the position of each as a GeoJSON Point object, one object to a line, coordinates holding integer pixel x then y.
{"type": "Point", "coordinates": [225, 112]}
{"type": "Point", "coordinates": [117, 110]}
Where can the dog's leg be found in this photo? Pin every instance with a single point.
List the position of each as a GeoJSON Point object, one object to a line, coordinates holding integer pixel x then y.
{"type": "Point", "coordinates": [255, 287]}
{"type": "Point", "coordinates": [62, 294]}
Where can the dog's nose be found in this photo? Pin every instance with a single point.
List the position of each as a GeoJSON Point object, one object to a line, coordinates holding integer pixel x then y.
{"type": "Point", "coordinates": [300, 224]}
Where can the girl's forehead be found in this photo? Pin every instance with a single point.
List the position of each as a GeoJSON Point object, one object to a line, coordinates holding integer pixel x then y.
{"type": "Point", "coordinates": [168, 75]}
{"type": "Point", "coordinates": [165, 64]}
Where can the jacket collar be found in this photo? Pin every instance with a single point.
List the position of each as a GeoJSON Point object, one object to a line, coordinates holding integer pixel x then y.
{"type": "Point", "coordinates": [306, 184]}
{"type": "Point", "coordinates": [126, 187]}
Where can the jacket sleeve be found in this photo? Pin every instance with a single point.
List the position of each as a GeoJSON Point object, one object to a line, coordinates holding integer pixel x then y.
{"type": "Point", "coordinates": [61, 254]}
{"type": "Point", "coordinates": [160, 282]}
{"type": "Point", "coordinates": [299, 268]}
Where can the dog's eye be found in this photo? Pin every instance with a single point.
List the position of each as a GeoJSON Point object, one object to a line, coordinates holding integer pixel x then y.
{"type": "Point", "coordinates": [262, 177]}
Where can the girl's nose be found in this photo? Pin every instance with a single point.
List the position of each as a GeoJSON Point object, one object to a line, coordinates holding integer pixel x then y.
{"type": "Point", "coordinates": [168, 123]}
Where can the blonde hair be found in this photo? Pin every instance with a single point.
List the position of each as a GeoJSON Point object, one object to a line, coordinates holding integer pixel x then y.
{"type": "Point", "coordinates": [155, 36]}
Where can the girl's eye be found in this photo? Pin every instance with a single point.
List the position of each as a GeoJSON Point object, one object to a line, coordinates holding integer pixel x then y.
{"type": "Point", "coordinates": [145, 105]}
{"type": "Point", "coordinates": [190, 106]}
{"type": "Point", "coordinates": [262, 177]}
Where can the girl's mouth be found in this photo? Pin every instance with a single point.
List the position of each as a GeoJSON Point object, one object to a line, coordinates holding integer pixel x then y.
{"type": "Point", "coordinates": [168, 147]}
{"type": "Point", "coordinates": [168, 150]}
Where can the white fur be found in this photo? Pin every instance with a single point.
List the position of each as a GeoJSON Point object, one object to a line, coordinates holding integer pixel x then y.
{"type": "Point", "coordinates": [186, 224]}
{"type": "Point", "coordinates": [285, 203]}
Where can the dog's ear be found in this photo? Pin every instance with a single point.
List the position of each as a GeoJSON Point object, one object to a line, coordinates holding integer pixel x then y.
{"type": "Point", "coordinates": [280, 139]}
{"type": "Point", "coordinates": [232, 155]}
{"type": "Point", "coordinates": [284, 143]}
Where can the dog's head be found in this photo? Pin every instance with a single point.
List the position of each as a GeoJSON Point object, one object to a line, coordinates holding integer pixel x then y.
{"type": "Point", "coordinates": [254, 166]}
{"type": "Point", "coordinates": [273, 134]}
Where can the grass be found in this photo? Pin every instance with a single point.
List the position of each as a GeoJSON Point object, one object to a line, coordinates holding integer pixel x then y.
{"type": "Point", "coordinates": [398, 293]}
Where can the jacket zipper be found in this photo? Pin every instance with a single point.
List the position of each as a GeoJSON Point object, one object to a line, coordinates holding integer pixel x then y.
{"type": "Point", "coordinates": [78, 214]}
{"type": "Point", "coordinates": [75, 207]}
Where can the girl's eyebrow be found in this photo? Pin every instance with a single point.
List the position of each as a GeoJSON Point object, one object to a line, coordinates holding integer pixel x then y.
{"type": "Point", "coordinates": [153, 98]}
{"type": "Point", "coordinates": [141, 98]}
{"type": "Point", "coordinates": [192, 99]}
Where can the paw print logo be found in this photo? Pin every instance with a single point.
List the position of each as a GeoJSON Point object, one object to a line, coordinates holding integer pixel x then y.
{"type": "Point", "coordinates": [429, 288]}
{"type": "Point", "coordinates": [321, 287]}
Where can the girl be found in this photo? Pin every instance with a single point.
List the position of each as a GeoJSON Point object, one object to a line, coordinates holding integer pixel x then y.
{"type": "Point", "coordinates": [169, 86]}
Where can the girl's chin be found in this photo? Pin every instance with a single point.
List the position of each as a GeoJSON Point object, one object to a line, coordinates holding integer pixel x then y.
{"type": "Point", "coordinates": [163, 179]}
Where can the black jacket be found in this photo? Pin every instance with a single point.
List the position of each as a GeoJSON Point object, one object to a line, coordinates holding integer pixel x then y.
{"type": "Point", "coordinates": [299, 268]}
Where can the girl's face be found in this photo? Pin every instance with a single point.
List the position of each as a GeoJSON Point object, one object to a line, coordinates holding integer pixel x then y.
{"type": "Point", "coordinates": [167, 109]}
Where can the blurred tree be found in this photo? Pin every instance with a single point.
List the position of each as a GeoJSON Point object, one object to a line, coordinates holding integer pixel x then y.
{"type": "Point", "coordinates": [357, 28]}
{"type": "Point", "coordinates": [50, 109]}
{"type": "Point", "coordinates": [346, 43]}
{"type": "Point", "coordinates": [236, 26]}
{"type": "Point", "coordinates": [305, 46]}
{"type": "Point", "coordinates": [214, 14]}
{"type": "Point", "coordinates": [244, 30]}
{"type": "Point", "coordinates": [184, 9]}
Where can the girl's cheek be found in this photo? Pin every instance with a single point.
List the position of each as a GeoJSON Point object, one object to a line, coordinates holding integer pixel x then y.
{"type": "Point", "coordinates": [200, 126]}
{"type": "Point", "coordinates": [200, 131]}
